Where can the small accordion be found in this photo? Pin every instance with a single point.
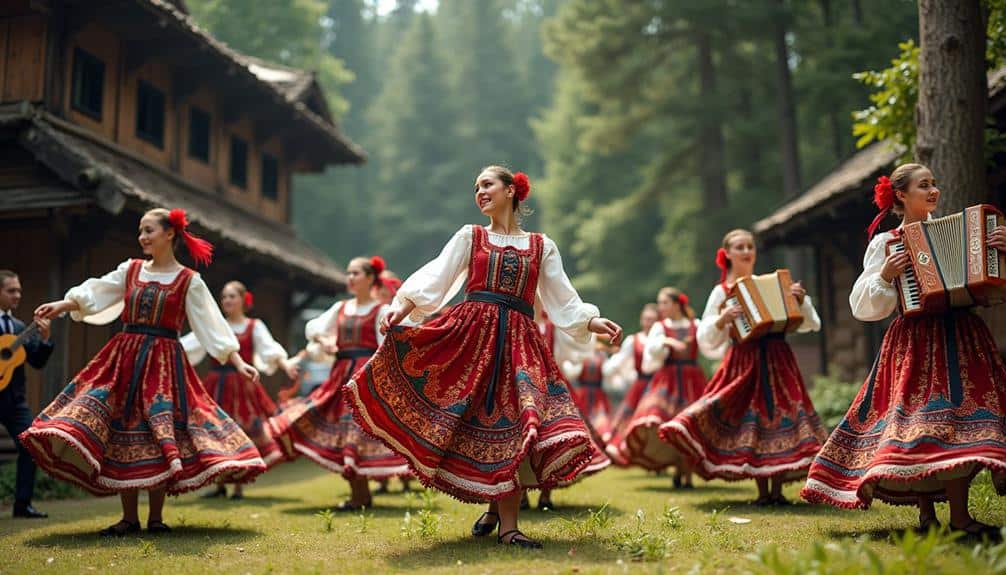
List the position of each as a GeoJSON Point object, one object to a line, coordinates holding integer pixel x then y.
{"type": "Point", "coordinates": [951, 263]}
{"type": "Point", "coordinates": [768, 306]}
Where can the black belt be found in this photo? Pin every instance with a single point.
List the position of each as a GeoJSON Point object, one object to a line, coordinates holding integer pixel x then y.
{"type": "Point", "coordinates": [151, 330]}
{"type": "Point", "coordinates": [680, 362]}
{"type": "Point", "coordinates": [503, 300]}
{"type": "Point", "coordinates": [504, 303]}
{"type": "Point", "coordinates": [224, 368]}
{"type": "Point", "coordinates": [589, 383]}
{"type": "Point", "coordinates": [354, 353]}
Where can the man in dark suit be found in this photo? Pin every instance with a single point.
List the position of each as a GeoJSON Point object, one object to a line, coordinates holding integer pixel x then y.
{"type": "Point", "coordinates": [14, 412]}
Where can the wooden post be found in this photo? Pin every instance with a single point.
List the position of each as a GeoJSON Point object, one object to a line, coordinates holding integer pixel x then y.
{"type": "Point", "coordinates": [953, 97]}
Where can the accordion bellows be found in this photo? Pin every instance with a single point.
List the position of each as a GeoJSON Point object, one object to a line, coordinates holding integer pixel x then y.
{"type": "Point", "coordinates": [951, 263]}
{"type": "Point", "coordinates": [767, 304]}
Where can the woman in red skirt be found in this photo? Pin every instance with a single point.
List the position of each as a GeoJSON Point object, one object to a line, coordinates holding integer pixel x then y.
{"type": "Point", "coordinates": [587, 378]}
{"type": "Point", "coordinates": [321, 425]}
{"type": "Point", "coordinates": [930, 414]}
{"type": "Point", "coordinates": [473, 399]}
{"type": "Point", "coordinates": [137, 416]}
{"type": "Point", "coordinates": [243, 399]}
{"type": "Point", "coordinates": [627, 364]}
{"type": "Point", "coordinates": [755, 419]}
{"type": "Point", "coordinates": [672, 349]}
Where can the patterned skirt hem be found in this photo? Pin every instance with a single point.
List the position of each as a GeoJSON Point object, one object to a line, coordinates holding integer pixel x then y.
{"type": "Point", "coordinates": [621, 452]}
{"type": "Point", "coordinates": [465, 490]}
{"type": "Point", "coordinates": [38, 443]}
{"type": "Point", "coordinates": [677, 435]}
{"type": "Point", "coordinates": [350, 468]}
{"type": "Point", "coordinates": [817, 491]}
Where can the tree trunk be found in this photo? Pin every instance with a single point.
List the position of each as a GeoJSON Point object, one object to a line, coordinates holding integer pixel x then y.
{"type": "Point", "coordinates": [834, 122]}
{"type": "Point", "coordinates": [785, 108]}
{"type": "Point", "coordinates": [714, 184]}
{"type": "Point", "coordinates": [953, 97]}
{"type": "Point", "coordinates": [857, 11]}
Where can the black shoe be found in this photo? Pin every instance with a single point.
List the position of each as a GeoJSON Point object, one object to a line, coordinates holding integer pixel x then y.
{"type": "Point", "coordinates": [781, 501]}
{"type": "Point", "coordinates": [349, 506]}
{"type": "Point", "coordinates": [976, 530]}
{"type": "Point", "coordinates": [481, 528]}
{"type": "Point", "coordinates": [928, 524]}
{"type": "Point", "coordinates": [688, 486]}
{"type": "Point", "coordinates": [524, 503]}
{"type": "Point", "coordinates": [121, 529]}
{"type": "Point", "coordinates": [218, 492]}
{"type": "Point", "coordinates": [156, 527]}
{"type": "Point", "coordinates": [676, 482]}
{"type": "Point", "coordinates": [519, 539]}
{"type": "Point", "coordinates": [763, 501]}
{"type": "Point", "coordinates": [26, 511]}
{"type": "Point", "coordinates": [237, 496]}
{"type": "Point", "coordinates": [545, 504]}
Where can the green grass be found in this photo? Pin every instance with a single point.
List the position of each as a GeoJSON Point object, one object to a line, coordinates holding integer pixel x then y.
{"type": "Point", "coordinates": [281, 527]}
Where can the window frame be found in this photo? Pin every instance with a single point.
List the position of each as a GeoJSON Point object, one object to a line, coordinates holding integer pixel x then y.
{"type": "Point", "coordinates": [82, 57]}
{"type": "Point", "coordinates": [156, 139]}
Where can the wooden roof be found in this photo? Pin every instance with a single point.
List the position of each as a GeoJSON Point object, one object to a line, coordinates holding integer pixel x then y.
{"type": "Point", "coordinates": [164, 28]}
{"type": "Point", "coordinates": [113, 177]}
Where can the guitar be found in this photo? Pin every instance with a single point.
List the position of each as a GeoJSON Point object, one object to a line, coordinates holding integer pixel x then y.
{"type": "Point", "coordinates": [13, 354]}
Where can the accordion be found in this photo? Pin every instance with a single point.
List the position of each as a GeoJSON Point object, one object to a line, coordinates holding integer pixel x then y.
{"type": "Point", "coordinates": [951, 263]}
{"type": "Point", "coordinates": [767, 306]}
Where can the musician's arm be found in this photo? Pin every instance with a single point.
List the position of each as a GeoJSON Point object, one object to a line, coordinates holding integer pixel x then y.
{"type": "Point", "coordinates": [873, 298]}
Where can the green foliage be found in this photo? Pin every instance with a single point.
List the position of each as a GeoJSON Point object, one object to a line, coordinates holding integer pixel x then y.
{"type": "Point", "coordinates": [832, 398]}
{"type": "Point", "coordinates": [639, 544]}
{"type": "Point", "coordinates": [46, 488]}
{"type": "Point", "coordinates": [327, 517]}
{"type": "Point", "coordinates": [592, 525]}
{"type": "Point", "coordinates": [426, 523]}
{"type": "Point", "coordinates": [892, 113]}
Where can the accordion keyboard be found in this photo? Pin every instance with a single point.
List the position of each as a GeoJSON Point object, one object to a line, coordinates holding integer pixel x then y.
{"type": "Point", "coordinates": [909, 283]}
{"type": "Point", "coordinates": [741, 323]}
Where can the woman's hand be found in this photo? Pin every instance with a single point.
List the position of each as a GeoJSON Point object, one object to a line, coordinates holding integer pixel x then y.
{"type": "Point", "coordinates": [895, 264]}
{"type": "Point", "coordinates": [55, 309]}
{"type": "Point", "coordinates": [329, 344]}
{"type": "Point", "coordinates": [727, 316]}
{"type": "Point", "coordinates": [997, 238]}
{"type": "Point", "coordinates": [798, 291]}
{"type": "Point", "coordinates": [290, 368]}
{"type": "Point", "coordinates": [396, 316]}
{"type": "Point", "coordinates": [675, 344]}
{"type": "Point", "coordinates": [243, 368]}
{"type": "Point", "coordinates": [604, 326]}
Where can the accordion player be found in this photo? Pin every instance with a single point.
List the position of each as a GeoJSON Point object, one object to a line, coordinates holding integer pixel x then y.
{"type": "Point", "coordinates": [767, 306]}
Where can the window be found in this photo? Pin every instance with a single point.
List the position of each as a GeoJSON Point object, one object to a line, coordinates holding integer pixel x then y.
{"type": "Point", "coordinates": [239, 162]}
{"type": "Point", "coordinates": [199, 134]}
{"type": "Point", "coordinates": [88, 84]}
{"type": "Point", "coordinates": [149, 114]}
{"type": "Point", "coordinates": [270, 177]}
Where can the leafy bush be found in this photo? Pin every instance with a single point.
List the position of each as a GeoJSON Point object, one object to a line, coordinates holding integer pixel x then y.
{"type": "Point", "coordinates": [45, 487]}
{"type": "Point", "coordinates": [832, 398]}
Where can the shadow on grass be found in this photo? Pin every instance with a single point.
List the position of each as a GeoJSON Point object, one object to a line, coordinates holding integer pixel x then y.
{"type": "Point", "coordinates": [183, 540]}
{"type": "Point", "coordinates": [227, 503]}
{"type": "Point", "coordinates": [700, 490]}
{"type": "Point", "coordinates": [568, 511]}
{"type": "Point", "coordinates": [746, 504]}
{"type": "Point", "coordinates": [472, 551]}
{"type": "Point", "coordinates": [379, 510]}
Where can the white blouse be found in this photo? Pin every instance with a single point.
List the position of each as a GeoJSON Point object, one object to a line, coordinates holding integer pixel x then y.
{"type": "Point", "coordinates": [268, 352]}
{"type": "Point", "coordinates": [325, 324]}
{"type": "Point", "coordinates": [656, 352]}
{"type": "Point", "coordinates": [622, 364]}
{"type": "Point", "coordinates": [873, 298]}
{"type": "Point", "coordinates": [434, 284]}
{"type": "Point", "coordinates": [714, 342]}
{"type": "Point", "coordinates": [207, 323]}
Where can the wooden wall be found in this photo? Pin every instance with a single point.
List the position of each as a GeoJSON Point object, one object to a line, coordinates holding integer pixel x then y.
{"type": "Point", "coordinates": [22, 66]}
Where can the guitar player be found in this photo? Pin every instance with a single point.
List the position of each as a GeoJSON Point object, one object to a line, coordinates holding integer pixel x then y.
{"type": "Point", "coordinates": [14, 412]}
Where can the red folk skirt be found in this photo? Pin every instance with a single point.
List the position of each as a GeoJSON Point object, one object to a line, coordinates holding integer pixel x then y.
{"type": "Point", "coordinates": [137, 417]}
{"type": "Point", "coordinates": [754, 420]}
{"type": "Point", "coordinates": [595, 406]}
{"type": "Point", "coordinates": [429, 394]}
{"type": "Point", "coordinates": [651, 403]}
{"type": "Point", "coordinates": [932, 409]}
{"type": "Point", "coordinates": [321, 427]}
{"type": "Point", "coordinates": [250, 406]}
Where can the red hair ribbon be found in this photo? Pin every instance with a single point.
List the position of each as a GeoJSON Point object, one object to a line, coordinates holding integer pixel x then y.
{"type": "Point", "coordinates": [883, 198]}
{"type": "Point", "coordinates": [200, 249]}
{"type": "Point", "coordinates": [392, 284]}
{"type": "Point", "coordinates": [522, 185]}
{"type": "Point", "coordinates": [683, 300]}
{"type": "Point", "coordinates": [249, 300]}
{"type": "Point", "coordinates": [723, 263]}
{"type": "Point", "coordinates": [377, 262]}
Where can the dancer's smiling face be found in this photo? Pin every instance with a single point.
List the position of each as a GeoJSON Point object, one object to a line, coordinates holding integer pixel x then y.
{"type": "Point", "coordinates": [231, 301]}
{"type": "Point", "coordinates": [492, 196]}
{"type": "Point", "coordinates": [154, 236]}
{"type": "Point", "coordinates": [920, 197]}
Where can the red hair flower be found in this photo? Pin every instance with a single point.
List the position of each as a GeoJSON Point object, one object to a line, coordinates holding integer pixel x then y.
{"type": "Point", "coordinates": [249, 300]}
{"type": "Point", "coordinates": [522, 185]}
{"type": "Point", "coordinates": [723, 263]}
{"type": "Point", "coordinates": [883, 198]}
{"type": "Point", "coordinates": [200, 249]}
{"type": "Point", "coordinates": [683, 300]}
{"type": "Point", "coordinates": [377, 262]}
{"type": "Point", "coordinates": [392, 284]}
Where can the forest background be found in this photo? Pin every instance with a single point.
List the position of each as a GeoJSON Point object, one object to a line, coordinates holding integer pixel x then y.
{"type": "Point", "coordinates": [649, 128]}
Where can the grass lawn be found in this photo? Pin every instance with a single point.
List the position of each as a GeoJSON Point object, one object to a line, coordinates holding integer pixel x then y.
{"type": "Point", "coordinates": [277, 529]}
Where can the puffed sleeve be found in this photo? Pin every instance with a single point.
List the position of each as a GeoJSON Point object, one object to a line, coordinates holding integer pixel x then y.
{"type": "Point", "coordinates": [620, 362]}
{"type": "Point", "coordinates": [566, 348]}
{"type": "Point", "coordinates": [434, 284]}
{"type": "Point", "coordinates": [565, 309]}
{"type": "Point", "coordinates": [323, 324]}
{"type": "Point", "coordinates": [873, 298]}
{"type": "Point", "coordinates": [811, 321]}
{"type": "Point", "coordinates": [97, 294]}
{"type": "Point", "coordinates": [713, 342]}
{"type": "Point", "coordinates": [572, 370]}
{"type": "Point", "coordinates": [655, 351]}
{"type": "Point", "coordinates": [267, 350]}
{"type": "Point", "coordinates": [377, 322]}
{"type": "Point", "coordinates": [207, 322]}
{"type": "Point", "coordinates": [193, 349]}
